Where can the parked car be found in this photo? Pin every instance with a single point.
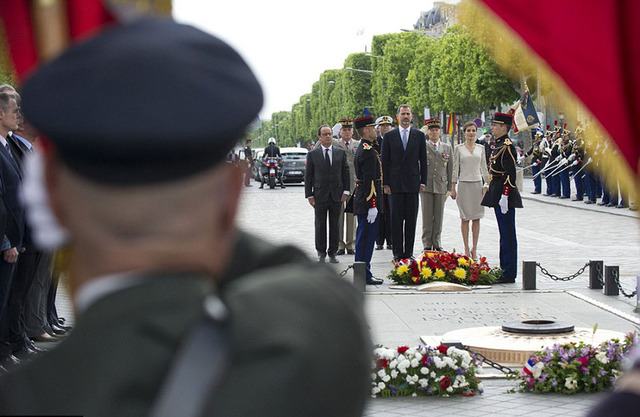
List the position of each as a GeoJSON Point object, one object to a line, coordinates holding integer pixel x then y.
{"type": "Point", "coordinates": [295, 164]}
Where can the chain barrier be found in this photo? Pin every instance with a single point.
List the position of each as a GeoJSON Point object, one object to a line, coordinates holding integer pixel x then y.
{"type": "Point", "coordinates": [343, 273]}
{"type": "Point", "coordinates": [599, 274]}
{"type": "Point", "coordinates": [557, 278]}
{"type": "Point", "coordinates": [616, 278]}
{"type": "Point", "coordinates": [483, 359]}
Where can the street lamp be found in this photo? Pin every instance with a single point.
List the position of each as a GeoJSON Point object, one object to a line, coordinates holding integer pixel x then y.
{"type": "Point", "coordinates": [359, 70]}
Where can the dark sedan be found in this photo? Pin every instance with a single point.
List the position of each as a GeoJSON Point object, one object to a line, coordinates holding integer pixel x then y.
{"type": "Point", "coordinates": [295, 164]}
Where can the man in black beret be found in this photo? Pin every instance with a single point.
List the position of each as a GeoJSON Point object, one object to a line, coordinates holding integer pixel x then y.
{"type": "Point", "coordinates": [179, 313]}
{"type": "Point", "coordinates": [503, 195]}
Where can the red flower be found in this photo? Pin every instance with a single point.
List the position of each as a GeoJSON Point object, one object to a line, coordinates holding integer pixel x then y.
{"type": "Point", "coordinates": [415, 272]}
{"type": "Point", "coordinates": [443, 349]}
{"type": "Point", "coordinates": [402, 349]}
{"type": "Point", "coordinates": [382, 363]}
{"type": "Point", "coordinates": [425, 361]}
{"type": "Point", "coordinates": [445, 382]}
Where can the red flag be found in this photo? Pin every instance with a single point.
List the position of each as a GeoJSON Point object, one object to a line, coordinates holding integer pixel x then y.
{"type": "Point", "coordinates": [84, 17]}
{"type": "Point", "coordinates": [594, 46]}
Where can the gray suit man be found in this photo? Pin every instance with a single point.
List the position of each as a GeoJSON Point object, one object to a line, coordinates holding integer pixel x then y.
{"type": "Point", "coordinates": [438, 185]}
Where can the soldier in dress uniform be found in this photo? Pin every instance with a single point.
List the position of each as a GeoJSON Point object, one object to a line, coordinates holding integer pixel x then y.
{"type": "Point", "coordinates": [368, 193]}
{"type": "Point", "coordinates": [438, 186]}
{"type": "Point", "coordinates": [554, 162]}
{"type": "Point", "coordinates": [566, 150]}
{"type": "Point", "coordinates": [536, 151]}
{"type": "Point", "coordinates": [503, 195]}
{"type": "Point", "coordinates": [578, 169]}
{"type": "Point", "coordinates": [383, 125]}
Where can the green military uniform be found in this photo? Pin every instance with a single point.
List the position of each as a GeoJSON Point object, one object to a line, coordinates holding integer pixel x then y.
{"type": "Point", "coordinates": [292, 322]}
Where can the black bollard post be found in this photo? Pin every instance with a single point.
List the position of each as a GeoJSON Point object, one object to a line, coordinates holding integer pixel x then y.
{"type": "Point", "coordinates": [360, 276]}
{"type": "Point", "coordinates": [610, 286]}
{"type": "Point", "coordinates": [528, 275]}
{"type": "Point", "coordinates": [595, 275]}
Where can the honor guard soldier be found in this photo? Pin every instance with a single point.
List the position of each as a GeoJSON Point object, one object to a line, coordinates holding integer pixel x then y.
{"type": "Point", "coordinates": [578, 169]}
{"type": "Point", "coordinates": [368, 194]}
{"type": "Point", "coordinates": [503, 195]}
{"type": "Point", "coordinates": [179, 313]}
{"type": "Point", "coordinates": [566, 150]}
{"type": "Point", "coordinates": [554, 162]}
{"type": "Point", "coordinates": [383, 125]}
{"type": "Point", "coordinates": [536, 152]}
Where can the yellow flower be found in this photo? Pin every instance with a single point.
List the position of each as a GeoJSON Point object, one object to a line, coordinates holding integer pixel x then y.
{"type": "Point", "coordinates": [483, 272]}
{"type": "Point", "coordinates": [402, 269]}
{"type": "Point", "coordinates": [426, 272]}
{"type": "Point", "coordinates": [439, 273]}
{"type": "Point", "coordinates": [462, 262]}
{"type": "Point", "coordinates": [460, 273]}
{"type": "Point", "coordinates": [431, 254]}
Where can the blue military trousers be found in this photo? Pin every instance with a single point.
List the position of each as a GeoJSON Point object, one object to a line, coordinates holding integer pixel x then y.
{"type": "Point", "coordinates": [365, 240]}
{"type": "Point", "coordinates": [508, 242]}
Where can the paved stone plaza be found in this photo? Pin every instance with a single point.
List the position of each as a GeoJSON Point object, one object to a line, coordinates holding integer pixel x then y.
{"type": "Point", "coordinates": [560, 234]}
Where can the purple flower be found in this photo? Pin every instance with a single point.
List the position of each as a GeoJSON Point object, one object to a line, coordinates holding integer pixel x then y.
{"type": "Point", "coordinates": [543, 377]}
{"type": "Point", "coordinates": [602, 372]}
{"type": "Point", "coordinates": [460, 371]}
{"type": "Point", "coordinates": [594, 381]}
{"type": "Point", "coordinates": [393, 389]}
{"type": "Point", "coordinates": [554, 383]}
{"type": "Point", "coordinates": [584, 351]}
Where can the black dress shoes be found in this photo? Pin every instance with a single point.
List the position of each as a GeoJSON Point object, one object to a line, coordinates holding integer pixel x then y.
{"type": "Point", "coordinates": [10, 361]}
{"type": "Point", "coordinates": [340, 252]}
{"type": "Point", "coordinates": [350, 251]}
{"type": "Point", "coordinates": [57, 330]}
{"type": "Point", "coordinates": [374, 281]}
{"type": "Point", "coordinates": [589, 202]}
{"type": "Point", "coordinates": [535, 192]}
{"type": "Point", "coordinates": [333, 259]}
{"type": "Point", "coordinates": [321, 258]}
{"type": "Point", "coordinates": [576, 199]}
{"type": "Point", "coordinates": [504, 280]}
{"type": "Point", "coordinates": [437, 248]}
{"type": "Point", "coordinates": [389, 246]}
{"type": "Point", "coordinates": [24, 353]}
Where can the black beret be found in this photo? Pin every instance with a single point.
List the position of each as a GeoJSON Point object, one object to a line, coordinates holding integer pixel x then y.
{"type": "Point", "coordinates": [148, 101]}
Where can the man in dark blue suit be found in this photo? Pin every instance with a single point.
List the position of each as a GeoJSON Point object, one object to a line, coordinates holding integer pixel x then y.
{"type": "Point", "coordinates": [404, 166]}
{"type": "Point", "coordinates": [326, 186]}
{"type": "Point", "coordinates": [11, 178]}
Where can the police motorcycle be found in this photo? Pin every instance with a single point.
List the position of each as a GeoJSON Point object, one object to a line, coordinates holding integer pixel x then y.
{"type": "Point", "coordinates": [271, 170]}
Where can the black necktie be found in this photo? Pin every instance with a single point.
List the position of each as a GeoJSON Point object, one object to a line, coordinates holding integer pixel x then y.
{"type": "Point", "coordinates": [8, 149]}
{"type": "Point", "coordinates": [326, 157]}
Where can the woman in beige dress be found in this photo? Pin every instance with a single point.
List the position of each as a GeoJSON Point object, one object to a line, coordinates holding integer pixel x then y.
{"type": "Point", "coordinates": [469, 172]}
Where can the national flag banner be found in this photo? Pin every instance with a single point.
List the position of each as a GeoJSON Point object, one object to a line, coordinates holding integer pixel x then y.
{"type": "Point", "coordinates": [427, 113]}
{"type": "Point", "coordinates": [528, 367]}
{"type": "Point", "coordinates": [525, 115]}
{"type": "Point", "coordinates": [451, 124]}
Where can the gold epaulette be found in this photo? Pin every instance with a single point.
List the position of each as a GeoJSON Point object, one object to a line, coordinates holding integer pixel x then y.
{"type": "Point", "coordinates": [507, 142]}
{"type": "Point", "coordinates": [367, 147]}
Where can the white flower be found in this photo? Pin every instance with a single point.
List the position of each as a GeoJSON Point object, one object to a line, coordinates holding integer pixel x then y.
{"type": "Point", "coordinates": [423, 382]}
{"type": "Point", "coordinates": [393, 364]}
{"type": "Point", "coordinates": [381, 385]}
{"type": "Point", "coordinates": [450, 389]}
{"type": "Point", "coordinates": [424, 371]}
{"type": "Point", "coordinates": [386, 378]}
{"type": "Point", "coordinates": [382, 373]}
{"type": "Point", "coordinates": [414, 395]}
{"type": "Point", "coordinates": [418, 355]}
{"type": "Point", "coordinates": [374, 376]}
{"type": "Point", "coordinates": [415, 363]}
{"type": "Point", "coordinates": [374, 391]}
{"type": "Point", "coordinates": [461, 381]}
{"type": "Point", "coordinates": [401, 358]}
{"type": "Point", "coordinates": [433, 374]}
{"type": "Point", "coordinates": [394, 373]}
{"type": "Point", "coordinates": [602, 357]}
{"type": "Point", "coordinates": [537, 369]}
{"type": "Point", "coordinates": [570, 383]}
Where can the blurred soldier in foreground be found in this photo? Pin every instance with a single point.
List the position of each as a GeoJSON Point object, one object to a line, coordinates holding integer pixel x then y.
{"type": "Point", "coordinates": [150, 206]}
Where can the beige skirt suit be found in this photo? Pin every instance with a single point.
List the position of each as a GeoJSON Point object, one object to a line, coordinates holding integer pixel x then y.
{"type": "Point", "coordinates": [469, 172]}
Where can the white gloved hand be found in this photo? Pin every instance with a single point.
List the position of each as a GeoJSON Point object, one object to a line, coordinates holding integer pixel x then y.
{"type": "Point", "coordinates": [504, 204]}
{"type": "Point", "coordinates": [372, 214]}
{"type": "Point", "coordinates": [564, 161]}
{"type": "Point", "coordinates": [572, 157]}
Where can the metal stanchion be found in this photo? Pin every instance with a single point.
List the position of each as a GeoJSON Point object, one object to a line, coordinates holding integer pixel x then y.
{"type": "Point", "coordinates": [528, 275]}
{"type": "Point", "coordinates": [360, 276]}
{"type": "Point", "coordinates": [595, 275]}
{"type": "Point", "coordinates": [610, 285]}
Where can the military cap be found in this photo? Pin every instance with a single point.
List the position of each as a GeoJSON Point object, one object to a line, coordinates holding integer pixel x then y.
{"type": "Point", "coordinates": [384, 120]}
{"type": "Point", "coordinates": [363, 121]}
{"type": "Point", "coordinates": [504, 119]}
{"type": "Point", "coordinates": [148, 101]}
{"type": "Point", "coordinates": [346, 122]}
{"type": "Point", "coordinates": [433, 123]}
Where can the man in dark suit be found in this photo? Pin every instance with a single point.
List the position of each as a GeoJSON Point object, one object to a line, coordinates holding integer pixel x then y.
{"type": "Point", "coordinates": [166, 289]}
{"type": "Point", "coordinates": [404, 165]}
{"type": "Point", "coordinates": [326, 186]}
{"type": "Point", "coordinates": [13, 238]}
{"type": "Point", "coordinates": [248, 160]}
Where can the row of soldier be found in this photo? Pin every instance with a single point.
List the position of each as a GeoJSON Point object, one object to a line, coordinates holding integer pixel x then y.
{"type": "Point", "coordinates": [385, 190]}
{"type": "Point", "coordinates": [557, 158]}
